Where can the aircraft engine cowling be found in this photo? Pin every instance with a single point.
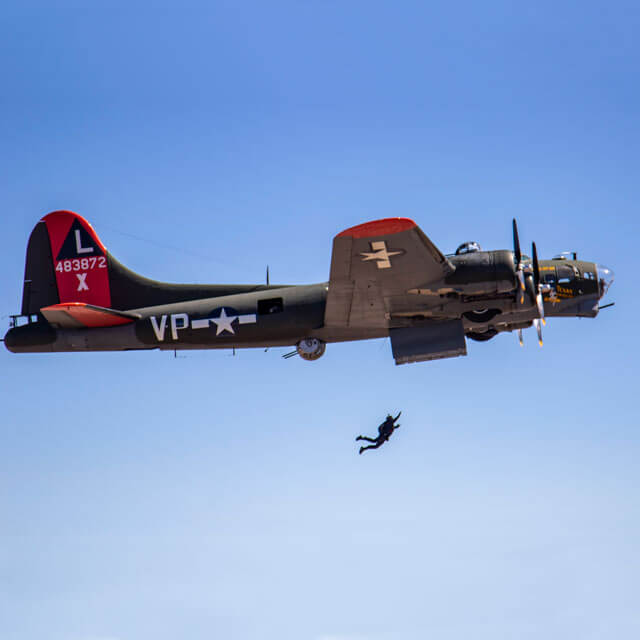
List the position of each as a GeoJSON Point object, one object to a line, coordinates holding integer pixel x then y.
{"type": "Point", "coordinates": [311, 348]}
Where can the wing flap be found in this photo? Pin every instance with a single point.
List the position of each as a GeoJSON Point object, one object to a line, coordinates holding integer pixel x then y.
{"type": "Point", "coordinates": [79, 315]}
{"type": "Point", "coordinates": [428, 341]}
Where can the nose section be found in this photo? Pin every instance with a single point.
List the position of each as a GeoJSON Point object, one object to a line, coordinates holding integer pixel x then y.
{"type": "Point", "coordinates": [605, 279]}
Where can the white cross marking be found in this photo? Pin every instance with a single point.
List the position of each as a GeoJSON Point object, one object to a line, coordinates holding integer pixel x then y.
{"type": "Point", "coordinates": [380, 254]}
{"type": "Point", "coordinates": [82, 282]}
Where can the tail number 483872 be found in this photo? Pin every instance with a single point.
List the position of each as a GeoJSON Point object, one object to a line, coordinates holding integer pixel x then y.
{"type": "Point", "coordinates": [81, 264]}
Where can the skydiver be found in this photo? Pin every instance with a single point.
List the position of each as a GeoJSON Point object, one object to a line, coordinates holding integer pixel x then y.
{"type": "Point", "coordinates": [384, 433]}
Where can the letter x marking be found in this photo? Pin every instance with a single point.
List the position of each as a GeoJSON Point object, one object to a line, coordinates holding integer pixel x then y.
{"type": "Point", "coordinates": [82, 282]}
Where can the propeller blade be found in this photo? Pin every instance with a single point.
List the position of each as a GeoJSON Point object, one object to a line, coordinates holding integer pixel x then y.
{"type": "Point", "coordinates": [538, 326]}
{"type": "Point", "coordinates": [536, 281]}
{"type": "Point", "coordinates": [536, 265]}
{"type": "Point", "coordinates": [540, 305]}
{"type": "Point", "coordinates": [520, 340]}
{"type": "Point", "coordinates": [516, 244]}
{"type": "Point", "coordinates": [520, 275]}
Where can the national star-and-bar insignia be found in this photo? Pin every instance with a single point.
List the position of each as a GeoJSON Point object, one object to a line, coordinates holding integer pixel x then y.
{"type": "Point", "coordinates": [224, 319]}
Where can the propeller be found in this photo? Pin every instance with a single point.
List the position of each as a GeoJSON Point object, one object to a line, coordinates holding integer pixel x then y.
{"type": "Point", "coordinates": [517, 256]}
{"type": "Point", "coordinates": [537, 284]}
{"type": "Point", "coordinates": [529, 280]}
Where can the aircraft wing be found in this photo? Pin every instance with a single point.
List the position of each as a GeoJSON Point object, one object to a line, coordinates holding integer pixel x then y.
{"type": "Point", "coordinates": [374, 265]}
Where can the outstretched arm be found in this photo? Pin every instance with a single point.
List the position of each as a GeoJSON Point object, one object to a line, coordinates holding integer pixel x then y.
{"type": "Point", "coordinates": [397, 417]}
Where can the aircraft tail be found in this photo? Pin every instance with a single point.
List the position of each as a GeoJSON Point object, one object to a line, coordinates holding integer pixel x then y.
{"type": "Point", "coordinates": [67, 263]}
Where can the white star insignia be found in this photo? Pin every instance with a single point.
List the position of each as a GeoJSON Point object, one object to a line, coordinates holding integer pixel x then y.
{"type": "Point", "coordinates": [380, 254]}
{"type": "Point", "coordinates": [223, 322]}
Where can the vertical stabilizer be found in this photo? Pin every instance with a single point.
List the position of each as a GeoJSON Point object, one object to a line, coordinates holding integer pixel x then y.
{"type": "Point", "coordinates": [40, 288]}
{"type": "Point", "coordinates": [66, 262]}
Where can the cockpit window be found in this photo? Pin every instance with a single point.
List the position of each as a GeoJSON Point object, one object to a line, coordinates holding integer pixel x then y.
{"type": "Point", "coordinates": [468, 247]}
{"type": "Point", "coordinates": [565, 274]}
{"type": "Point", "coordinates": [549, 277]}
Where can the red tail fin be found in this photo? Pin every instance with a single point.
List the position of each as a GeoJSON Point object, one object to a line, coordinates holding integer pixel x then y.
{"type": "Point", "coordinates": [79, 259]}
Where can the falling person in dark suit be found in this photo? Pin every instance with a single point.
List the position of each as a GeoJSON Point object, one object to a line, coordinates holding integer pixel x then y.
{"type": "Point", "coordinates": [384, 433]}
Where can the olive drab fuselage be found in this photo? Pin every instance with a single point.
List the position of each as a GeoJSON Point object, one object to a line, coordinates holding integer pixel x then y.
{"type": "Point", "coordinates": [387, 279]}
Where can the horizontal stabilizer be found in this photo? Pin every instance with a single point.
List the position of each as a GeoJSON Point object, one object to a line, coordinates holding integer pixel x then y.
{"type": "Point", "coordinates": [80, 315]}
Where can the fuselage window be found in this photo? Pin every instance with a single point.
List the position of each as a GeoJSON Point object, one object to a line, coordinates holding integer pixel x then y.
{"type": "Point", "coordinates": [269, 306]}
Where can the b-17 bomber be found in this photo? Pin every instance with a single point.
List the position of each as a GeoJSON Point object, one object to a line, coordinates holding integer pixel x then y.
{"type": "Point", "coordinates": [387, 279]}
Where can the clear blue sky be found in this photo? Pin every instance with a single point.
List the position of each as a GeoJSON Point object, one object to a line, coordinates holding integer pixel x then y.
{"type": "Point", "coordinates": [144, 497]}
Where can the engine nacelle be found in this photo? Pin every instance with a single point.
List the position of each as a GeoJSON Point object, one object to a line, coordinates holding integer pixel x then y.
{"type": "Point", "coordinates": [311, 348]}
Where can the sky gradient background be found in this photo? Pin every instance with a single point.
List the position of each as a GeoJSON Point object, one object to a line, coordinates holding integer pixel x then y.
{"type": "Point", "coordinates": [144, 497]}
